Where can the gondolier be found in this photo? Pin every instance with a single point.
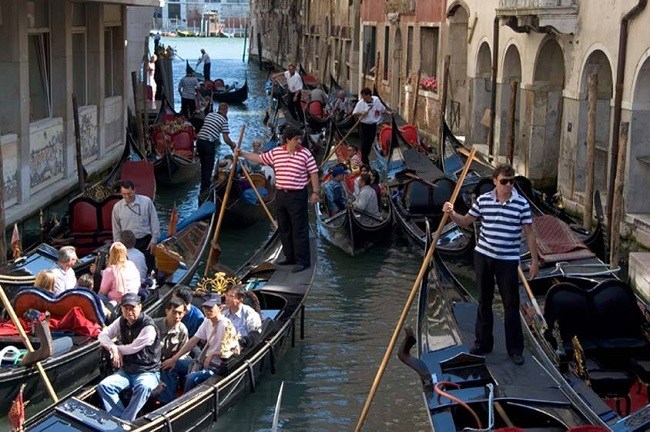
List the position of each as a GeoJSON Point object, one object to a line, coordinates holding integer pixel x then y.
{"type": "Point", "coordinates": [295, 168]}
{"type": "Point", "coordinates": [137, 213]}
{"type": "Point", "coordinates": [205, 59]}
{"type": "Point", "coordinates": [503, 213]}
{"type": "Point", "coordinates": [215, 125]}
{"type": "Point", "coordinates": [294, 86]}
{"type": "Point", "coordinates": [369, 110]}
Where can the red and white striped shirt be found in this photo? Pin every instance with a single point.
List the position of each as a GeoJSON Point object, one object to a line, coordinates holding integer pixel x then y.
{"type": "Point", "coordinates": [291, 170]}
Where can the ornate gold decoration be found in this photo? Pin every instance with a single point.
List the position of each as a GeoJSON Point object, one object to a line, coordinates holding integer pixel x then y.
{"type": "Point", "coordinates": [579, 358]}
{"type": "Point", "coordinates": [229, 343]}
{"type": "Point", "coordinates": [558, 339]}
{"type": "Point", "coordinates": [217, 284]}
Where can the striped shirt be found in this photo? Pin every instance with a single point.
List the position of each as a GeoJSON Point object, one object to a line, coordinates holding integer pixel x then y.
{"type": "Point", "coordinates": [291, 170]}
{"type": "Point", "coordinates": [215, 124]}
{"type": "Point", "coordinates": [187, 87]}
{"type": "Point", "coordinates": [500, 235]}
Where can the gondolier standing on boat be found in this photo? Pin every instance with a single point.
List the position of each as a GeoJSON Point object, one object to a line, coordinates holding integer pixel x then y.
{"type": "Point", "coordinates": [503, 214]}
{"type": "Point", "coordinates": [207, 142]}
{"type": "Point", "coordinates": [294, 86]}
{"type": "Point", "coordinates": [295, 168]}
{"type": "Point", "coordinates": [205, 59]}
{"type": "Point", "coordinates": [187, 88]}
{"type": "Point", "coordinates": [369, 111]}
{"type": "Point", "coordinates": [137, 213]}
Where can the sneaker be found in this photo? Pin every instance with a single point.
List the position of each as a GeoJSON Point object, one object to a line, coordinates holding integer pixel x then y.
{"type": "Point", "coordinates": [478, 350]}
{"type": "Point", "coordinates": [285, 262]}
{"type": "Point", "coordinates": [299, 267]}
{"type": "Point", "coordinates": [518, 359]}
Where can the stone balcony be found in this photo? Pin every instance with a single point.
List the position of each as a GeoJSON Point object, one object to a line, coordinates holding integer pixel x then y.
{"type": "Point", "coordinates": [559, 16]}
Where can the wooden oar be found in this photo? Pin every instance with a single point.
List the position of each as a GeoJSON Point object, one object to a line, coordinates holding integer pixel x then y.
{"type": "Point", "coordinates": [417, 177]}
{"type": "Point", "coordinates": [411, 297]}
{"type": "Point", "coordinates": [524, 281]}
{"type": "Point", "coordinates": [341, 141]}
{"type": "Point", "coordinates": [215, 249]}
{"type": "Point", "coordinates": [14, 318]}
{"type": "Point", "coordinates": [259, 197]}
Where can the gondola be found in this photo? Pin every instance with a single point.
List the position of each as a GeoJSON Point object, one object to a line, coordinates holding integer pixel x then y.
{"type": "Point", "coordinates": [177, 259]}
{"type": "Point", "coordinates": [175, 160]}
{"type": "Point", "coordinates": [281, 295]}
{"type": "Point", "coordinates": [418, 189]}
{"type": "Point", "coordinates": [350, 230]}
{"type": "Point", "coordinates": [87, 224]}
{"type": "Point", "coordinates": [243, 207]}
{"type": "Point", "coordinates": [230, 94]}
{"type": "Point", "coordinates": [489, 392]}
{"type": "Point", "coordinates": [453, 155]}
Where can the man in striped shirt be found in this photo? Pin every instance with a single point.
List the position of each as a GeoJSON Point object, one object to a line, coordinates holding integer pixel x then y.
{"type": "Point", "coordinates": [207, 142]}
{"type": "Point", "coordinates": [187, 88]}
{"type": "Point", "coordinates": [295, 168]}
{"type": "Point", "coordinates": [503, 214]}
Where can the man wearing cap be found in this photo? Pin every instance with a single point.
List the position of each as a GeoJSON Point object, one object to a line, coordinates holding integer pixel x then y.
{"type": "Point", "coordinates": [215, 328]}
{"type": "Point", "coordinates": [336, 199]}
{"type": "Point", "coordinates": [137, 357]}
{"type": "Point", "coordinates": [295, 168]}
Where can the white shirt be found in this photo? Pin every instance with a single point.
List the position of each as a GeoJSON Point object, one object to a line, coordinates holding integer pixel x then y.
{"type": "Point", "coordinates": [205, 58]}
{"type": "Point", "coordinates": [245, 320]}
{"type": "Point", "coordinates": [213, 337]}
{"type": "Point", "coordinates": [64, 280]}
{"type": "Point", "coordinates": [375, 110]}
{"type": "Point", "coordinates": [294, 82]}
{"type": "Point", "coordinates": [146, 337]}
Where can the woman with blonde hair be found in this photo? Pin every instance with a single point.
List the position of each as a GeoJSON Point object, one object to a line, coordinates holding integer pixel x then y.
{"type": "Point", "coordinates": [45, 280]}
{"type": "Point", "coordinates": [120, 276]}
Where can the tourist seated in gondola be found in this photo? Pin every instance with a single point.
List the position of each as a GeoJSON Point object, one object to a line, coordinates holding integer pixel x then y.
{"type": "Point", "coordinates": [87, 282]}
{"type": "Point", "coordinates": [334, 192]}
{"type": "Point", "coordinates": [363, 169]}
{"type": "Point", "coordinates": [374, 184]}
{"type": "Point", "coordinates": [45, 281]}
{"type": "Point", "coordinates": [120, 276]}
{"type": "Point", "coordinates": [366, 201]}
{"type": "Point", "coordinates": [221, 343]}
{"type": "Point", "coordinates": [63, 271]}
{"type": "Point", "coordinates": [173, 335]}
{"type": "Point", "coordinates": [339, 108]}
{"type": "Point", "coordinates": [137, 357]}
{"type": "Point", "coordinates": [318, 95]}
{"type": "Point", "coordinates": [246, 319]}
{"type": "Point", "coordinates": [134, 255]}
{"type": "Point", "coordinates": [193, 317]}
{"type": "Point", "coordinates": [355, 158]}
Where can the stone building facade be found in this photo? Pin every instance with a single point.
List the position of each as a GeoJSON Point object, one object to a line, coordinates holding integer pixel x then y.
{"type": "Point", "coordinates": [52, 49]}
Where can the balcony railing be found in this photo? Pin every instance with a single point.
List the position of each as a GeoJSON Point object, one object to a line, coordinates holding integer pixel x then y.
{"type": "Point", "coordinates": [560, 16]}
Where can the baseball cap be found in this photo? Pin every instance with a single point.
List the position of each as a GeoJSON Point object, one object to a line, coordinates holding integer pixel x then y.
{"type": "Point", "coordinates": [130, 299]}
{"type": "Point", "coordinates": [338, 171]}
{"type": "Point", "coordinates": [214, 299]}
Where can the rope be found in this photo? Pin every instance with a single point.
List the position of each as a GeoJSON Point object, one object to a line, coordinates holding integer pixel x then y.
{"type": "Point", "coordinates": [439, 389]}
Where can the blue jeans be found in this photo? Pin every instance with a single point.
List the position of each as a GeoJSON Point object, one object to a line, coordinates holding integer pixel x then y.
{"type": "Point", "coordinates": [171, 377]}
{"type": "Point", "coordinates": [196, 378]}
{"type": "Point", "coordinates": [142, 384]}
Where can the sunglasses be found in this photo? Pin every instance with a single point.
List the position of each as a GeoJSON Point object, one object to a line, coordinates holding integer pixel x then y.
{"type": "Point", "coordinates": [505, 181]}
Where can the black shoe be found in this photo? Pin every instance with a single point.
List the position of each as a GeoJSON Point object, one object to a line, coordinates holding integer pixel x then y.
{"type": "Point", "coordinates": [285, 262]}
{"type": "Point", "coordinates": [477, 350]}
{"type": "Point", "coordinates": [300, 267]}
{"type": "Point", "coordinates": [517, 359]}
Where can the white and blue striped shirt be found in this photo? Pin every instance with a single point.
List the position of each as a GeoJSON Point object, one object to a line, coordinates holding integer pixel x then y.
{"type": "Point", "coordinates": [500, 234]}
{"type": "Point", "coordinates": [214, 125]}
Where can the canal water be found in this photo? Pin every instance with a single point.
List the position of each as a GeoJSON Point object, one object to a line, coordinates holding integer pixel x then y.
{"type": "Point", "coordinates": [351, 310]}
